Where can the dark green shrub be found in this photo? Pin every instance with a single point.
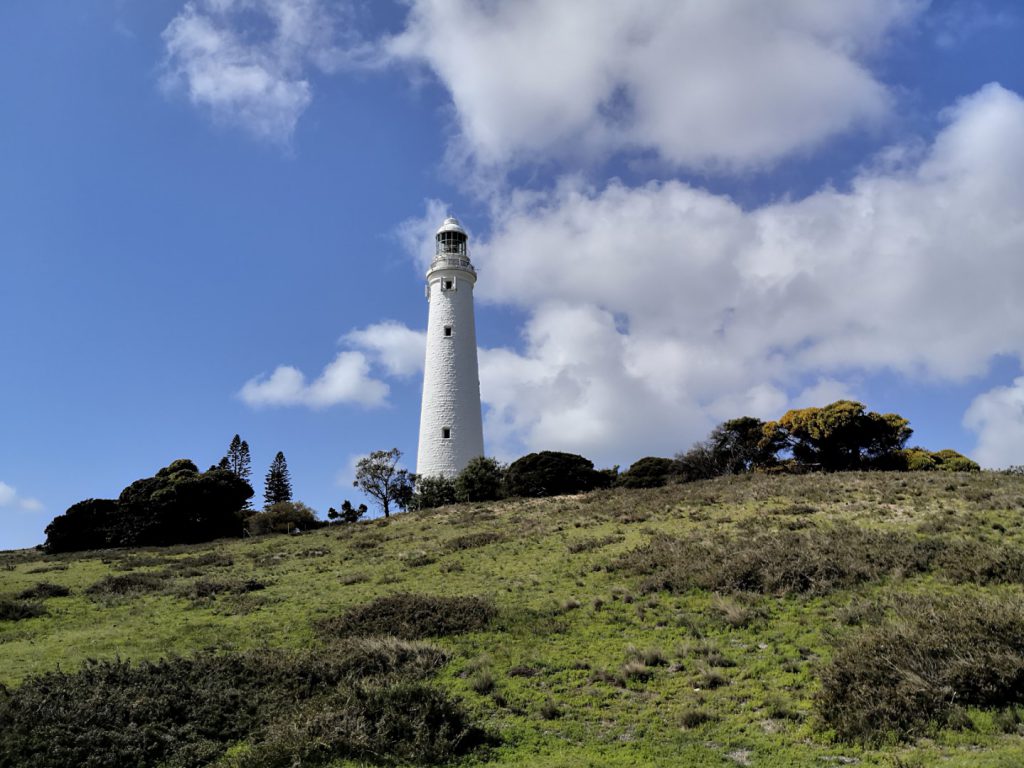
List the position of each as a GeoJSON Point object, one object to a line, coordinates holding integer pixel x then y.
{"type": "Point", "coordinates": [43, 590]}
{"type": "Point", "coordinates": [186, 712]}
{"type": "Point", "coordinates": [551, 473]}
{"type": "Point", "coordinates": [433, 492]}
{"type": "Point", "coordinates": [408, 724]}
{"type": "Point", "coordinates": [919, 459]}
{"type": "Point", "coordinates": [128, 584]}
{"type": "Point", "coordinates": [905, 678]}
{"type": "Point", "coordinates": [648, 472]}
{"type": "Point", "coordinates": [481, 480]}
{"type": "Point", "coordinates": [85, 525]}
{"type": "Point", "coordinates": [411, 616]}
{"type": "Point", "coordinates": [202, 589]}
{"type": "Point", "coordinates": [13, 610]}
{"type": "Point", "coordinates": [283, 517]}
{"type": "Point", "coordinates": [179, 505]}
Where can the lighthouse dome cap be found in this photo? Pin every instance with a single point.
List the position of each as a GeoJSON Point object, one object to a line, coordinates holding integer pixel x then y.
{"type": "Point", "coordinates": [451, 224]}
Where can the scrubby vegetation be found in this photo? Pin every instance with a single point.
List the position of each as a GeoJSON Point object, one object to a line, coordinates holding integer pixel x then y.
{"type": "Point", "coordinates": [360, 700]}
{"type": "Point", "coordinates": [776, 620]}
{"type": "Point", "coordinates": [411, 616]}
{"type": "Point", "coordinates": [933, 656]}
{"type": "Point", "coordinates": [178, 505]}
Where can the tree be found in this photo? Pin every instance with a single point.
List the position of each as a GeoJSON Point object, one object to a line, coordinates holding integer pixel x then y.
{"type": "Point", "coordinates": [433, 492]}
{"type": "Point", "coordinates": [740, 445]}
{"type": "Point", "coordinates": [238, 460]}
{"type": "Point", "coordinates": [481, 480]}
{"type": "Point", "coordinates": [178, 505]}
{"type": "Point", "coordinates": [348, 514]}
{"type": "Point", "coordinates": [278, 483]}
{"type": "Point", "coordinates": [841, 436]}
{"type": "Point", "coordinates": [282, 517]}
{"type": "Point", "coordinates": [379, 477]}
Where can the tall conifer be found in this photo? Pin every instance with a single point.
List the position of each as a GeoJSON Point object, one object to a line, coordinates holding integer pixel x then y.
{"type": "Point", "coordinates": [278, 484]}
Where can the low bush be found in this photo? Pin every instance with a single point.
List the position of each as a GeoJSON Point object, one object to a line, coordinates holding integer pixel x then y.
{"type": "Point", "coordinates": [360, 700]}
{"type": "Point", "coordinates": [128, 584]}
{"type": "Point", "coordinates": [203, 589]}
{"type": "Point", "coordinates": [551, 473]}
{"type": "Point", "coordinates": [474, 540]}
{"type": "Point", "coordinates": [648, 472]}
{"type": "Point", "coordinates": [43, 590]}
{"type": "Point", "coordinates": [481, 480]}
{"type": "Point", "coordinates": [283, 517]}
{"type": "Point", "coordinates": [433, 492]}
{"type": "Point", "coordinates": [814, 560]}
{"type": "Point", "coordinates": [932, 656]}
{"type": "Point", "coordinates": [15, 610]}
{"type": "Point", "coordinates": [411, 616]}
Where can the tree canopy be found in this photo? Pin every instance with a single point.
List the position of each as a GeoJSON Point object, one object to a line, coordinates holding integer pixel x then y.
{"type": "Point", "coordinates": [278, 482]}
{"type": "Point", "coordinates": [840, 436]}
{"type": "Point", "coordinates": [379, 477]}
{"type": "Point", "coordinates": [178, 505]}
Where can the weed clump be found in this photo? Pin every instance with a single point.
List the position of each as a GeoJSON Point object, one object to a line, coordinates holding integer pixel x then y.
{"type": "Point", "coordinates": [43, 590]}
{"type": "Point", "coordinates": [363, 701]}
{"type": "Point", "coordinates": [411, 616]}
{"type": "Point", "coordinates": [931, 657]}
{"type": "Point", "coordinates": [813, 561]}
{"type": "Point", "coordinates": [474, 540]}
{"type": "Point", "coordinates": [14, 610]}
{"type": "Point", "coordinates": [126, 585]}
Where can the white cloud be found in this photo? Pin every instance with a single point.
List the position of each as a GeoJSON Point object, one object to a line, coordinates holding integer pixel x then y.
{"type": "Point", "coordinates": [658, 310]}
{"type": "Point", "coordinates": [345, 380]}
{"type": "Point", "coordinates": [10, 499]}
{"type": "Point", "coordinates": [399, 350]}
{"type": "Point", "coordinates": [997, 416]}
{"type": "Point", "coordinates": [728, 84]}
{"type": "Point", "coordinates": [249, 61]}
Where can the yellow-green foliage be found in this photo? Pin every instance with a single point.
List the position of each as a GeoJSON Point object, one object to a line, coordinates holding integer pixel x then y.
{"type": "Point", "coordinates": [583, 663]}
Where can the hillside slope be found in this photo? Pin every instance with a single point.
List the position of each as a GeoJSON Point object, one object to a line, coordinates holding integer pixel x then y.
{"type": "Point", "coordinates": [604, 651]}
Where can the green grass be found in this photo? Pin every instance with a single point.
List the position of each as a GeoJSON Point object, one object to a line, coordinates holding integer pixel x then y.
{"type": "Point", "coordinates": [582, 664]}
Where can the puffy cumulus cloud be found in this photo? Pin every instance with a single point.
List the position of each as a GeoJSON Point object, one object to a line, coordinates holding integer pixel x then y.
{"type": "Point", "coordinates": [657, 310]}
{"type": "Point", "coordinates": [727, 84]}
{"type": "Point", "coordinates": [248, 61]}
{"type": "Point", "coordinates": [346, 379]}
{"type": "Point", "coordinates": [11, 499]}
{"type": "Point", "coordinates": [997, 416]}
{"type": "Point", "coordinates": [393, 348]}
{"type": "Point", "coordinates": [399, 350]}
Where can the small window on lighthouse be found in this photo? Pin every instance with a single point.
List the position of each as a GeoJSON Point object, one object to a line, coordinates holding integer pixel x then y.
{"type": "Point", "coordinates": [446, 432]}
{"type": "Point", "coordinates": [447, 285]}
{"type": "Point", "coordinates": [447, 330]}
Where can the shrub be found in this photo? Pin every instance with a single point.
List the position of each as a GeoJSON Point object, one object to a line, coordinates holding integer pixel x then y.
{"type": "Point", "coordinates": [44, 589]}
{"type": "Point", "coordinates": [411, 616]}
{"type": "Point", "coordinates": [481, 480]}
{"type": "Point", "coordinates": [648, 472]}
{"type": "Point", "coordinates": [433, 492]}
{"type": "Point", "coordinates": [186, 712]}
{"type": "Point", "coordinates": [128, 584]}
{"type": "Point", "coordinates": [13, 610]}
{"type": "Point", "coordinates": [904, 678]}
{"type": "Point", "coordinates": [179, 505]}
{"type": "Point", "coordinates": [551, 473]}
{"type": "Point", "coordinates": [922, 460]}
{"type": "Point", "coordinates": [474, 540]}
{"type": "Point", "coordinates": [283, 517]}
{"type": "Point", "coordinates": [85, 525]}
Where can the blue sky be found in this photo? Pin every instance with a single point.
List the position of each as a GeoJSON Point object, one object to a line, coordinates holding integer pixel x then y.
{"type": "Point", "coordinates": [214, 215]}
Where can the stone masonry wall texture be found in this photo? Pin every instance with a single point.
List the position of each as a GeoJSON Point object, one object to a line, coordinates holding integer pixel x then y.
{"type": "Point", "coordinates": [451, 383]}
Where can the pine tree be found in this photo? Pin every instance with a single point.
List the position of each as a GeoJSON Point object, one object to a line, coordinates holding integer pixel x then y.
{"type": "Point", "coordinates": [278, 485]}
{"type": "Point", "coordinates": [238, 459]}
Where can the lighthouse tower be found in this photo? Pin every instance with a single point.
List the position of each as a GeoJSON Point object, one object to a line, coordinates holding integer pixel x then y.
{"type": "Point", "coordinates": [451, 431]}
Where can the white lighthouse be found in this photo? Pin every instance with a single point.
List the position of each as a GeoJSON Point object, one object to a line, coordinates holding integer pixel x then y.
{"type": "Point", "coordinates": [451, 430]}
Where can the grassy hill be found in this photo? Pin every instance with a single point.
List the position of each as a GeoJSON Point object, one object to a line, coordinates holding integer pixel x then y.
{"type": "Point", "coordinates": [689, 625]}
